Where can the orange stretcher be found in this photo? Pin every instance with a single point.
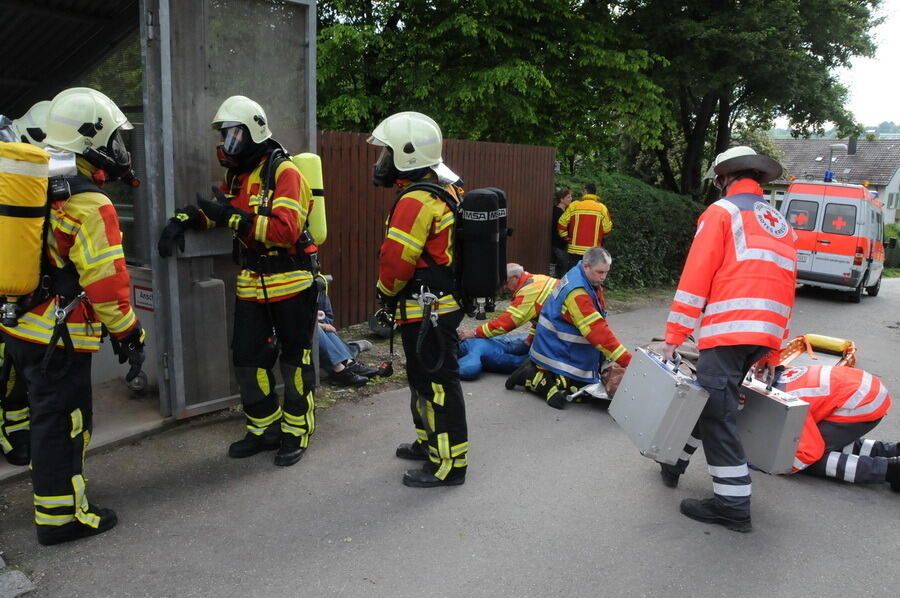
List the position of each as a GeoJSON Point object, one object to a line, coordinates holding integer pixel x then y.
{"type": "Point", "coordinates": [816, 349]}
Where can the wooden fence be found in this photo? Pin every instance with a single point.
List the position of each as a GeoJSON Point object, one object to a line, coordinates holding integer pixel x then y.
{"type": "Point", "coordinates": [357, 209]}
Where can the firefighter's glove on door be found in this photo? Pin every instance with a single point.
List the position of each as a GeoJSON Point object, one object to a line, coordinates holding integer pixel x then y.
{"type": "Point", "coordinates": [223, 213]}
{"type": "Point", "coordinates": [131, 349]}
{"type": "Point", "coordinates": [173, 233]}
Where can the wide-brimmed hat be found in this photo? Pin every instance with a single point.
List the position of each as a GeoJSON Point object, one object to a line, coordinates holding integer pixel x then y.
{"type": "Point", "coordinates": [740, 158]}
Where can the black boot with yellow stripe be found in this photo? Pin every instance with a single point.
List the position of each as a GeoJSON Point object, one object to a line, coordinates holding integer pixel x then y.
{"type": "Point", "coordinates": [96, 521]}
{"type": "Point", "coordinates": [262, 432]}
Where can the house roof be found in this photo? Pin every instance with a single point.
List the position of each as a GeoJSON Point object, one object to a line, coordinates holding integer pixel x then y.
{"type": "Point", "coordinates": [874, 161]}
{"type": "Point", "coordinates": [48, 44]}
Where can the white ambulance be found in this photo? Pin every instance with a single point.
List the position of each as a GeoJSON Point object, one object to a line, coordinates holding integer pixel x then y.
{"type": "Point", "coordinates": [841, 236]}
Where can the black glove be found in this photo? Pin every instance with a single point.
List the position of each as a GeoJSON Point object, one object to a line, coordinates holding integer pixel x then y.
{"type": "Point", "coordinates": [223, 213]}
{"type": "Point", "coordinates": [173, 233]}
{"type": "Point", "coordinates": [387, 302]}
{"type": "Point", "coordinates": [131, 349]}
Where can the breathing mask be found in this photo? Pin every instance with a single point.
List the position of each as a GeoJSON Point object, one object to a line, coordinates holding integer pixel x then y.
{"type": "Point", "coordinates": [384, 173]}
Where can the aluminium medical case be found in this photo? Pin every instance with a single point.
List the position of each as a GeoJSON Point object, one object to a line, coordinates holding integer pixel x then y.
{"type": "Point", "coordinates": [769, 422]}
{"type": "Point", "coordinates": [657, 405]}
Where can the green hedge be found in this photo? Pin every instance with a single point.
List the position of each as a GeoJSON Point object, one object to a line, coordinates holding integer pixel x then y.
{"type": "Point", "coordinates": [652, 229]}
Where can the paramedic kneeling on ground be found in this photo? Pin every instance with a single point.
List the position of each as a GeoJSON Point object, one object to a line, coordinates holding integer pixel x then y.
{"type": "Point", "coordinates": [739, 277]}
{"type": "Point", "coordinates": [572, 335]}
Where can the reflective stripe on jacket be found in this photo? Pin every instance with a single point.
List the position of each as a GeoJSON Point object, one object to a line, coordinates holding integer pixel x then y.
{"type": "Point", "coordinates": [277, 230]}
{"type": "Point", "coordinates": [740, 274]}
{"type": "Point", "coordinates": [584, 224]}
{"type": "Point", "coordinates": [835, 394]}
{"type": "Point", "coordinates": [84, 231]}
{"type": "Point", "coordinates": [525, 306]}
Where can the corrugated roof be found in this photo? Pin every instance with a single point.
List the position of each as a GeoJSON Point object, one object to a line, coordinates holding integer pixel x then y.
{"type": "Point", "coordinates": [46, 44]}
{"type": "Point", "coordinates": [874, 161]}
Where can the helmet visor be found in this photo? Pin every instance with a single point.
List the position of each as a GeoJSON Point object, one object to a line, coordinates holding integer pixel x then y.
{"type": "Point", "coordinates": [234, 139]}
{"type": "Point", "coordinates": [117, 150]}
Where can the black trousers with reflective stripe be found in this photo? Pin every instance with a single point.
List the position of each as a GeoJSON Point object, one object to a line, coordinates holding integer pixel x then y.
{"type": "Point", "coordinates": [294, 321]}
{"type": "Point", "coordinates": [55, 455]}
{"type": "Point", "coordinates": [450, 417]}
{"type": "Point", "coordinates": [844, 457]}
{"type": "Point", "coordinates": [720, 371]}
{"type": "Point", "coordinates": [13, 398]}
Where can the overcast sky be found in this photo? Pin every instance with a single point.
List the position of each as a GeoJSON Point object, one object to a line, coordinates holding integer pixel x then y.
{"type": "Point", "coordinates": [874, 83]}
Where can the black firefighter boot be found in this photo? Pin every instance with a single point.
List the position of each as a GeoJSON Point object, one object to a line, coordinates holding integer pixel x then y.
{"type": "Point", "coordinates": [892, 476]}
{"type": "Point", "coordinates": [669, 474]}
{"type": "Point", "coordinates": [48, 535]}
{"type": "Point", "coordinates": [708, 511]}
{"type": "Point", "coordinates": [425, 478]}
{"type": "Point", "coordinates": [413, 451]}
{"type": "Point", "coordinates": [521, 375]}
{"type": "Point", "coordinates": [20, 454]}
{"type": "Point", "coordinates": [290, 450]}
{"type": "Point", "coordinates": [252, 443]}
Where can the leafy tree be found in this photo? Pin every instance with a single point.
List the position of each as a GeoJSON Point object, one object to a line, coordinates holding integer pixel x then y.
{"type": "Point", "coordinates": [747, 61]}
{"type": "Point", "coordinates": [556, 72]}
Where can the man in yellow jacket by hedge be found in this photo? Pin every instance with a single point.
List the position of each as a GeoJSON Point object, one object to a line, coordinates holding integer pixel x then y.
{"type": "Point", "coordinates": [584, 224]}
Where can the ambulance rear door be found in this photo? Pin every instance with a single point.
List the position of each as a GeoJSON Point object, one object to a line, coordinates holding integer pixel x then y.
{"type": "Point", "coordinates": [837, 240]}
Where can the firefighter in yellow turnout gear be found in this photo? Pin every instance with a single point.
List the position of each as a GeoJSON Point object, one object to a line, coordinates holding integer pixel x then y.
{"type": "Point", "coordinates": [60, 324]}
{"type": "Point", "coordinates": [261, 200]}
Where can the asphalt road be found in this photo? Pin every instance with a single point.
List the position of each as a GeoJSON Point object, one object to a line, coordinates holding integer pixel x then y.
{"type": "Point", "coordinates": [556, 503]}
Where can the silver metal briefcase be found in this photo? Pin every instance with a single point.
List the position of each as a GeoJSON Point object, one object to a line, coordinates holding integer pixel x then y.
{"type": "Point", "coordinates": [657, 406]}
{"type": "Point", "coordinates": [770, 423]}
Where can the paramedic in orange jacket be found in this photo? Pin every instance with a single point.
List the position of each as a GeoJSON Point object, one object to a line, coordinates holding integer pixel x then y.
{"type": "Point", "coordinates": [584, 224]}
{"type": "Point", "coordinates": [737, 290]}
{"type": "Point", "coordinates": [86, 267]}
{"type": "Point", "coordinates": [529, 293]}
{"type": "Point", "coordinates": [414, 264]}
{"type": "Point", "coordinates": [844, 404]}
{"type": "Point", "coordinates": [261, 201]}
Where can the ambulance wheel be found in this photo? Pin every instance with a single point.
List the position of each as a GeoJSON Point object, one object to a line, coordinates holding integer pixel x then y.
{"type": "Point", "coordinates": [855, 295]}
{"type": "Point", "coordinates": [872, 291]}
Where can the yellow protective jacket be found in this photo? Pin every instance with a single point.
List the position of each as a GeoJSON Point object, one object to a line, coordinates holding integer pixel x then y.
{"type": "Point", "coordinates": [84, 232]}
{"type": "Point", "coordinates": [584, 224]}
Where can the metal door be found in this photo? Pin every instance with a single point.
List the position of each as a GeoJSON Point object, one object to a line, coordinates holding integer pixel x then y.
{"type": "Point", "coordinates": [196, 53]}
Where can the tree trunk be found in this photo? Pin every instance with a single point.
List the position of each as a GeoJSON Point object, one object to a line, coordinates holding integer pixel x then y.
{"type": "Point", "coordinates": [695, 128]}
{"type": "Point", "coordinates": [723, 138]}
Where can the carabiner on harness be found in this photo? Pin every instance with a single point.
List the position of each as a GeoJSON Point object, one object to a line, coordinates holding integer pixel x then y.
{"type": "Point", "coordinates": [61, 331]}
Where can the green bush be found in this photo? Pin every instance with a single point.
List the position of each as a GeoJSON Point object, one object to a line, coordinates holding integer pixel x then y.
{"type": "Point", "coordinates": [652, 229]}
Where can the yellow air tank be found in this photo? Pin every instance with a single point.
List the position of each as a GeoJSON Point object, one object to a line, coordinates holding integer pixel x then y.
{"type": "Point", "coordinates": [310, 166]}
{"type": "Point", "coordinates": [23, 200]}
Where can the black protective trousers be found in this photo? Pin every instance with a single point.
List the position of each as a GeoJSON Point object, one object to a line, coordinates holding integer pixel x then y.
{"type": "Point", "coordinates": [437, 405]}
{"type": "Point", "coordinates": [720, 370]}
{"type": "Point", "coordinates": [14, 416]}
{"type": "Point", "coordinates": [850, 457]}
{"type": "Point", "coordinates": [60, 402]}
{"type": "Point", "coordinates": [293, 321]}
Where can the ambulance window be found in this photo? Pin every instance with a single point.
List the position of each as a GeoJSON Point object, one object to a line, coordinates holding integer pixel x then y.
{"type": "Point", "coordinates": [840, 219]}
{"type": "Point", "coordinates": [802, 214]}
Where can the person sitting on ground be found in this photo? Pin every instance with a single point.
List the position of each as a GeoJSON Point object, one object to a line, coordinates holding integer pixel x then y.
{"type": "Point", "coordinates": [529, 293]}
{"type": "Point", "coordinates": [336, 356]}
{"type": "Point", "coordinates": [572, 336]}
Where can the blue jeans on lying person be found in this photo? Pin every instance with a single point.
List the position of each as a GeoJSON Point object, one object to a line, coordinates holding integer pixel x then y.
{"type": "Point", "coordinates": [501, 355]}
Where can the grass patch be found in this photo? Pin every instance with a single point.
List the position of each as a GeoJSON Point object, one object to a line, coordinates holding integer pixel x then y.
{"type": "Point", "coordinates": [625, 295]}
{"type": "Point", "coordinates": [891, 273]}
